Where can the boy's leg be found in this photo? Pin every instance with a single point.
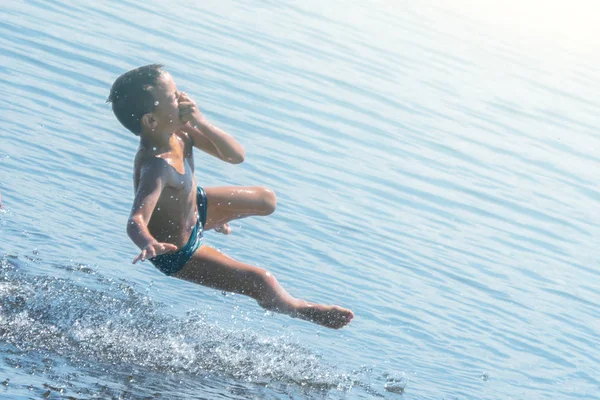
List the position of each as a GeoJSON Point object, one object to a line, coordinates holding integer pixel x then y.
{"type": "Point", "coordinates": [226, 203]}
{"type": "Point", "coordinates": [211, 268]}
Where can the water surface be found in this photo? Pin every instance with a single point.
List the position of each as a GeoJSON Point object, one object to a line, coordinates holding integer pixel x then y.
{"type": "Point", "coordinates": [436, 171]}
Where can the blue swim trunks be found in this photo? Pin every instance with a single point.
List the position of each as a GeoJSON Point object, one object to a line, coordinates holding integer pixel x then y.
{"type": "Point", "coordinates": [171, 263]}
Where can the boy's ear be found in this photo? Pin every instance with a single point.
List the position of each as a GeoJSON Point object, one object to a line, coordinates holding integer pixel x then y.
{"type": "Point", "coordinates": [149, 121]}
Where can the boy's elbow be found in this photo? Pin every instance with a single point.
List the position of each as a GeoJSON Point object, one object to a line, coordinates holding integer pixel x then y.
{"type": "Point", "coordinates": [132, 227]}
{"type": "Point", "coordinates": [236, 159]}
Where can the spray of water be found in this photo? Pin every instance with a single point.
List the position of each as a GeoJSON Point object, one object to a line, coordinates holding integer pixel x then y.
{"type": "Point", "coordinates": [111, 323]}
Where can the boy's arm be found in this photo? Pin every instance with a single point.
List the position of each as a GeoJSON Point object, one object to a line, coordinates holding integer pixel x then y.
{"type": "Point", "coordinates": [206, 136]}
{"type": "Point", "coordinates": [149, 189]}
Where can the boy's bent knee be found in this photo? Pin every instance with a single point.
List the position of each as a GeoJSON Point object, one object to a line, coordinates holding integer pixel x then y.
{"type": "Point", "coordinates": [268, 201]}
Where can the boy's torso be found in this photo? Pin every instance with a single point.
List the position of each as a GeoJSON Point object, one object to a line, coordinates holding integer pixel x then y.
{"type": "Point", "coordinates": [175, 213]}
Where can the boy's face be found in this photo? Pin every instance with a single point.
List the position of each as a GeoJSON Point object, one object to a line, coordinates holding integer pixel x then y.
{"type": "Point", "coordinates": [166, 100]}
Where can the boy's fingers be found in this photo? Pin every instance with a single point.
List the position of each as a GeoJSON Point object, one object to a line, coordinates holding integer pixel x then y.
{"type": "Point", "coordinates": [186, 105]}
{"type": "Point", "coordinates": [139, 257]}
{"type": "Point", "coordinates": [186, 99]}
{"type": "Point", "coordinates": [152, 252]}
{"type": "Point", "coordinates": [186, 110]}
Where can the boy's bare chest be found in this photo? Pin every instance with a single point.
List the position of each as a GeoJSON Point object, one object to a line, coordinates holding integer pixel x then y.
{"type": "Point", "coordinates": [180, 175]}
{"type": "Point", "coordinates": [178, 164]}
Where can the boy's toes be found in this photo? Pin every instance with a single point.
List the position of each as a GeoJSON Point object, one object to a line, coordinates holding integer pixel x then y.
{"type": "Point", "coordinates": [225, 229]}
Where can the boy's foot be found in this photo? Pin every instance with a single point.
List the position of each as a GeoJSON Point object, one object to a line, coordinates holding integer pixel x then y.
{"type": "Point", "coordinates": [225, 229]}
{"type": "Point", "coordinates": [334, 317]}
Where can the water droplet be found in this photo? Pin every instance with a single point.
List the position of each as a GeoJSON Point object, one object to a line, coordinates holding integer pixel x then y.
{"type": "Point", "coordinates": [156, 103]}
{"type": "Point", "coordinates": [154, 148]}
{"type": "Point", "coordinates": [158, 208]}
{"type": "Point", "coordinates": [229, 203]}
{"type": "Point", "coordinates": [485, 376]}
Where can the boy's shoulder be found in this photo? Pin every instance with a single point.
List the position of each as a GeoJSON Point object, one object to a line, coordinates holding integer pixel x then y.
{"type": "Point", "coordinates": [146, 162]}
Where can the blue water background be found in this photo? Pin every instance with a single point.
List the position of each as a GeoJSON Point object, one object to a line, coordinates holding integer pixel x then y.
{"type": "Point", "coordinates": [435, 173]}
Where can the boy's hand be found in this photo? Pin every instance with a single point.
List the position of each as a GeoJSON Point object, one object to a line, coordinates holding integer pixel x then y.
{"type": "Point", "coordinates": [153, 250]}
{"type": "Point", "coordinates": [188, 111]}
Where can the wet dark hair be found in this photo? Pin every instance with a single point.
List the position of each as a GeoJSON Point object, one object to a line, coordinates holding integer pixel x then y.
{"type": "Point", "coordinates": [131, 95]}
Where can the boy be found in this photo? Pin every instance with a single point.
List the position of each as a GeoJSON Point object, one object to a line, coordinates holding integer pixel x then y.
{"type": "Point", "coordinates": [170, 213]}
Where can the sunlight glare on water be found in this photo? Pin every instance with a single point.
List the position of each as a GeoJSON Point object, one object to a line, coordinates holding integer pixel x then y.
{"type": "Point", "coordinates": [571, 25]}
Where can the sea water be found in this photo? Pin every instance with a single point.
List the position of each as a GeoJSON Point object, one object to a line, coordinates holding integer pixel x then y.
{"type": "Point", "coordinates": [436, 166]}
